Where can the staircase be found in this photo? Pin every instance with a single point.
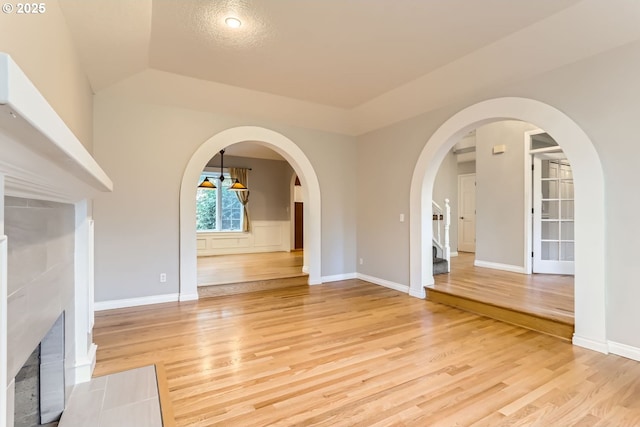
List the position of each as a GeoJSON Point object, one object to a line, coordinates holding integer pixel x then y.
{"type": "Point", "coordinates": [441, 247]}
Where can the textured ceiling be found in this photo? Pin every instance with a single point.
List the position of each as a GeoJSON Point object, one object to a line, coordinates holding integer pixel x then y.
{"type": "Point", "coordinates": [333, 52]}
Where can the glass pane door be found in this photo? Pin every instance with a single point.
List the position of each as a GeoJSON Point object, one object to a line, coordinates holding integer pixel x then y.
{"type": "Point", "coordinates": [553, 215]}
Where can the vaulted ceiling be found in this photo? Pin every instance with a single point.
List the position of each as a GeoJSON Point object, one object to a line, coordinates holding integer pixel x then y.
{"type": "Point", "coordinates": [352, 55]}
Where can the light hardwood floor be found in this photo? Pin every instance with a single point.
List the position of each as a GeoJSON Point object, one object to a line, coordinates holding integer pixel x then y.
{"type": "Point", "coordinates": [238, 268]}
{"type": "Point", "coordinates": [551, 296]}
{"type": "Point", "coordinates": [355, 354]}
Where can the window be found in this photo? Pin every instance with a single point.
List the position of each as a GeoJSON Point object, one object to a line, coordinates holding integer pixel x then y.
{"type": "Point", "coordinates": [219, 209]}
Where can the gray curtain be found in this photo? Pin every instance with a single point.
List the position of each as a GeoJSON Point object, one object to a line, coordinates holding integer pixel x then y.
{"type": "Point", "coordinates": [242, 175]}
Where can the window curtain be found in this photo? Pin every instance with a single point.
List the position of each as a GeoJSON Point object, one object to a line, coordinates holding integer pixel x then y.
{"type": "Point", "coordinates": [241, 174]}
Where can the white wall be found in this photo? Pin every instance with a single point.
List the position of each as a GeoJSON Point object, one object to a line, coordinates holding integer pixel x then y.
{"type": "Point", "coordinates": [500, 228]}
{"type": "Point", "coordinates": [601, 94]}
{"type": "Point", "coordinates": [41, 45]}
{"type": "Point", "coordinates": [264, 236]}
{"type": "Point", "coordinates": [145, 148]}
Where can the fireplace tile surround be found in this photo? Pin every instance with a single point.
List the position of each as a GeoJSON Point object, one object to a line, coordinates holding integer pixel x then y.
{"type": "Point", "coordinates": [40, 277]}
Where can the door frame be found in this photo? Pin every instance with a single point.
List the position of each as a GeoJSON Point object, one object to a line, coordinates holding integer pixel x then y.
{"type": "Point", "coordinates": [528, 194]}
{"type": "Point", "coordinates": [459, 222]}
{"type": "Point", "coordinates": [567, 269]}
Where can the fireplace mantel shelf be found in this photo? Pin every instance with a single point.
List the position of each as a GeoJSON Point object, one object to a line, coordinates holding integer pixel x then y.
{"type": "Point", "coordinates": [39, 155]}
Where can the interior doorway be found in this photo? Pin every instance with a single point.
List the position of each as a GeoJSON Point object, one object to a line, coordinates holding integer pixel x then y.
{"type": "Point", "coordinates": [467, 212]}
{"type": "Point", "coordinates": [298, 161]}
{"type": "Point", "coordinates": [297, 217]}
{"type": "Point", "coordinates": [590, 309]}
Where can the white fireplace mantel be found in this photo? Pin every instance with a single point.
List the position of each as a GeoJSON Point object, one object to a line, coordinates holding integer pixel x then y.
{"type": "Point", "coordinates": [39, 155]}
{"type": "Point", "coordinates": [40, 158]}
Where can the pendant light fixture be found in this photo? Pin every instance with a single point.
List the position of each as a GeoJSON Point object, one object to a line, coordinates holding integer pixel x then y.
{"type": "Point", "coordinates": [207, 185]}
{"type": "Point", "coordinates": [236, 186]}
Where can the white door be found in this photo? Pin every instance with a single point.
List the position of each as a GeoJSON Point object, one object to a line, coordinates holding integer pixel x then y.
{"type": "Point", "coordinates": [467, 212]}
{"type": "Point", "coordinates": [553, 214]}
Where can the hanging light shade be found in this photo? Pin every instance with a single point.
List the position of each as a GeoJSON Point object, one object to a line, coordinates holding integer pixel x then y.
{"type": "Point", "coordinates": [207, 185]}
{"type": "Point", "coordinates": [237, 186]}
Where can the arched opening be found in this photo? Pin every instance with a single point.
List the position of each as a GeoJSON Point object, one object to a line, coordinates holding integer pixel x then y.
{"type": "Point", "coordinates": [298, 161]}
{"type": "Point", "coordinates": [590, 327]}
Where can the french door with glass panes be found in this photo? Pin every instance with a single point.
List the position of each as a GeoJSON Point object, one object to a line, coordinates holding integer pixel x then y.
{"type": "Point", "coordinates": [553, 214]}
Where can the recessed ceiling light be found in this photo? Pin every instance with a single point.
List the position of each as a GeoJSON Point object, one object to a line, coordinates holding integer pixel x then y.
{"type": "Point", "coordinates": [233, 22]}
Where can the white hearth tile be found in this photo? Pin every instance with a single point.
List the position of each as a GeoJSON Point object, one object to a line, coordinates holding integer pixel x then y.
{"type": "Point", "coordinates": [123, 399]}
{"type": "Point", "coordinates": [98, 383]}
{"type": "Point", "coordinates": [139, 414]}
{"type": "Point", "coordinates": [130, 386]}
{"type": "Point", "coordinates": [83, 408]}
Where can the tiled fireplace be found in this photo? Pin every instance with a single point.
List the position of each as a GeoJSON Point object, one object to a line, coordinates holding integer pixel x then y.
{"type": "Point", "coordinates": [47, 180]}
{"type": "Point", "coordinates": [40, 384]}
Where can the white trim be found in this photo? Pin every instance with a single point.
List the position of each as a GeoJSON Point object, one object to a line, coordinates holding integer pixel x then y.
{"type": "Point", "coordinates": [305, 269]}
{"type": "Point", "coordinates": [339, 277]}
{"type": "Point", "coordinates": [528, 200]}
{"type": "Point", "coordinates": [84, 366]}
{"type": "Point", "coordinates": [46, 161]}
{"type": "Point", "coordinates": [300, 164]}
{"type": "Point", "coordinates": [599, 346]}
{"type": "Point", "coordinates": [498, 266]}
{"type": "Point", "coordinates": [624, 350]}
{"type": "Point", "coordinates": [134, 302]}
{"type": "Point", "coordinates": [383, 282]}
{"type": "Point", "coordinates": [188, 297]}
{"type": "Point", "coordinates": [4, 326]}
{"type": "Point", "coordinates": [590, 294]}
{"type": "Point", "coordinates": [454, 254]}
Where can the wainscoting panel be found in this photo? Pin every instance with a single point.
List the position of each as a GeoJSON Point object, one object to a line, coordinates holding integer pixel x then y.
{"type": "Point", "coordinates": [265, 236]}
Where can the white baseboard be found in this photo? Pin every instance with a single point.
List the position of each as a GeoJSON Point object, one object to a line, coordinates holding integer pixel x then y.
{"type": "Point", "coordinates": [382, 282]}
{"type": "Point", "coordinates": [188, 297]}
{"type": "Point", "coordinates": [498, 266]}
{"type": "Point", "coordinates": [454, 253]}
{"type": "Point", "coordinates": [624, 350]}
{"type": "Point", "coordinates": [84, 367]}
{"type": "Point", "coordinates": [598, 346]}
{"type": "Point", "coordinates": [134, 302]}
{"type": "Point", "coordinates": [418, 293]}
{"type": "Point", "coordinates": [305, 269]}
{"type": "Point", "coordinates": [339, 277]}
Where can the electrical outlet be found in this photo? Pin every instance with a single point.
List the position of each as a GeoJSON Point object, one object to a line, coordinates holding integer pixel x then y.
{"type": "Point", "coordinates": [163, 277]}
{"type": "Point", "coordinates": [361, 261]}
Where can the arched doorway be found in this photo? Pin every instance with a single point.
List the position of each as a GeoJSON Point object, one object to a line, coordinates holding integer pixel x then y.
{"type": "Point", "coordinates": [590, 314]}
{"type": "Point", "coordinates": [298, 161]}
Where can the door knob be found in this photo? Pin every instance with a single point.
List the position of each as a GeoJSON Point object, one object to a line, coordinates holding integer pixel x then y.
{"type": "Point", "coordinates": [461, 217]}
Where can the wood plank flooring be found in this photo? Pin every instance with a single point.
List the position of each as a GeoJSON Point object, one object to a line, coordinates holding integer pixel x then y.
{"type": "Point", "coordinates": [550, 296]}
{"type": "Point", "coordinates": [355, 354]}
{"type": "Point", "coordinates": [240, 268]}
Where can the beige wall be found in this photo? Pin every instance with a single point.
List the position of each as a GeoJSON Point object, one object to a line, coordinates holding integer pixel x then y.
{"type": "Point", "coordinates": [601, 95]}
{"type": "Point", "coordinates": [145, 149]}
{"type": "Point", "coordinates": [41, 45]}
{"type": "Point", "coordinates": [269, 186]}
{"type": "Point", "coordinates": [500, 193]}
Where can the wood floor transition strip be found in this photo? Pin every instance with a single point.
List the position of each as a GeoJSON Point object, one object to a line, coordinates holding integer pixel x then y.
{"type": "Point", "coordinates": [166, 407]}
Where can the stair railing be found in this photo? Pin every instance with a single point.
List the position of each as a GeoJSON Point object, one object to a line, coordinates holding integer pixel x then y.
{"type": "Point", "coordinates": [441, 226]}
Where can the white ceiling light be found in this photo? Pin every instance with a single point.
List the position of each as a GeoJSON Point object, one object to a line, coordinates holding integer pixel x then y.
{"type": "Point", "coordinates": [233, 22]}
